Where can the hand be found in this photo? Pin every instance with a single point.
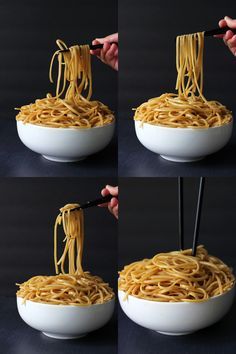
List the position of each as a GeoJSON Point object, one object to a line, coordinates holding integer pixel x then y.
{"type": "Point", "coordinates": [109, 53]}
{"type": "Point", "coordinates": [229, 37]}
{"type": "Point", "coordinates": [113, 205]}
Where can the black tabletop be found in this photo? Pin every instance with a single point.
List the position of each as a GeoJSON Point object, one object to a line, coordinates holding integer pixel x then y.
{"type": "Point", "coordinates": [136, 161]}
{"type": "Point", "coordinates": [16, 160]}
{"type": "Point", "coordinates": [16, 337]}
{"type": "Point", "coordinates": [217, 339]}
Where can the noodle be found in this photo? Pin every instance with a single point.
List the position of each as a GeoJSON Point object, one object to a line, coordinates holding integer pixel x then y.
{"type": "Point", "coordinates": [177, 276]}
{"type": "Point", "coordinates": [189, 108]}
{"type": "Point", "coordinates": [74, 81]}
{"type": "Point", "coordinates": [75, 287]}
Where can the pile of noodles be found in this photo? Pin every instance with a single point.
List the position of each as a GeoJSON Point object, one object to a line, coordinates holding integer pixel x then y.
{"type": "Point", "coordinates": [72, 106]}
{"type": "Point", "coordinates": [72, 287]}
{"type": "Point", "coordinates": [176, 277]}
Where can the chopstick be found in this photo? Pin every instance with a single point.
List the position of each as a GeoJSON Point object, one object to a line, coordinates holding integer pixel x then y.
{"type": "Point", "coordinates": [198, 215]}
{"type": "Point", "coordinates": [94, 202]}
{"type": "Point", "coordinates": [220, 30]}
{"type": "Point", "coordinates": [91, 46]}
{"type": "Point", "coordinates": [181, 213]}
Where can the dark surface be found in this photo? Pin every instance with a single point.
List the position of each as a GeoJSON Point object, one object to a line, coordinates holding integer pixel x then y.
{"type": "Point", "coordinates": [147, 32]}
{"type": "Point", "coordinates": [217, 339]}
{"type": "Point", "coordinates": [148, 224]}
{"type": "Point", "coordinates": [137, 161]}
{"type": "Point", "coordinates": [28, 31]}
{"type": "Point", "coordinates": [18, 338]}
{"type": "Point", "coordinates": [16, 160]}
{"type": "Point", "coordinates": [28, 209]}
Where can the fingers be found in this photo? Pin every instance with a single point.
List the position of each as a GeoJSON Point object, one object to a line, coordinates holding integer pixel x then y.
{"type": "Point", "coordinates": [228, 35]}
{"type": "Point", "coordinates": [112, 38]}
{"type": "Point", "coordinates": [97, 51]}
{"type": "Point", "coordinates": [104, 51]}
{"type": "Point", "coordinates": [114, 207]}
{"type": "Point", "coordinates": [232, 44]}
{"type": "Point", "coordinates": [222, 23]}
{"type": "Point", "coordinates": [104, 192]}
{"type": "Point", "coordinates": [230, 22]}
{"type": "Point", "coordinates": [112, 190]}
{"type": "Point", "coordinates": [109, 53]}
{"type": "Point", "coordinates": [232, 41]}
{"type": "Point", "coordinates": [227, 21]}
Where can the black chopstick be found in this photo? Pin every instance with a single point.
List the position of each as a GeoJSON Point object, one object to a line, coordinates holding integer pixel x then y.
{"type": "Point", "coordinates": [91, 46]}
{"type": "Point", "coordinates": [181, 213]}
{"type": "Point", "coordinates": [220, 30]}
{"type": "Point", "coordinates": [94, 202]}
{"type": "Point", "coordinates": [198, 215]}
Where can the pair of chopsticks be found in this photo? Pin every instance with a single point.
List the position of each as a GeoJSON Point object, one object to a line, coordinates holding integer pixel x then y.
{"type": "Point", "coordinates": [94, 202]}
{"type": "Point", "coordinates": [197, 217]}
{"type": "Point", "coordinates": [91, 46]}
{"type": "Point", "coordinates": [219, 30]}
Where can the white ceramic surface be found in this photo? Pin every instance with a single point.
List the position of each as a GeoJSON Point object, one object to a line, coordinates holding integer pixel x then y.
{"type": "Point", "coordinates": [63, 321]}
{"type": "Point", "coordinates": [176, 318]}
{"type": "Point", "coordinates": [65, 144]}
{"type": "Point", "coordinates": [183, 144]}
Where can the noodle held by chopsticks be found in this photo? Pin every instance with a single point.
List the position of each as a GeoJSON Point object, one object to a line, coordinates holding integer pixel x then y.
{"type": "Point", "coordinates": [189, 108]}
{"type": "Point", "coordinates": [72, 287]}
{"type": "Point", "coordinates": [71, 107]}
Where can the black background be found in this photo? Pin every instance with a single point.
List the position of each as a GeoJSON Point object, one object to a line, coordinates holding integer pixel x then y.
{"type": "Point", "coordinates": [28, 31]}
{"type": "Point", "coordinates": [148, 225]}
{"type": "Point", "coordinates": [147, 69]}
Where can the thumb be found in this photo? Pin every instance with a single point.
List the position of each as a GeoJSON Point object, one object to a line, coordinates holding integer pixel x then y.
{"type": "Point", "coordinates": [112, 190]}
{"type": "Point", "coordinates": [230, 22]}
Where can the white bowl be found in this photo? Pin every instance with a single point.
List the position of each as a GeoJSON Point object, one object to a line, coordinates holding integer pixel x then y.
{"type": "Point", "coordinates": [65, 144]}
{"type": "Point", "coordinates": [176, 318]}
{"type": "Point", "coordinates": [183, 144]}
{"type": "Point", "coordinates": [65, 321]}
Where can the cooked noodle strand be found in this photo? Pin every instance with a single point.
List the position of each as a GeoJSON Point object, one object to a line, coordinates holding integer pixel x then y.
{"type": "Point", "coordinates": [189, 108]}
{"type": "Point", "coordinates": [177, 277]}
{"type": "Point", "coordinates": [72, 287]}
{"type": "Point", "coordinates": [74, 82]}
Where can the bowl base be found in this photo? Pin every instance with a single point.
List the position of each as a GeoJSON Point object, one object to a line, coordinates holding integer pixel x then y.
{"type": "Point", "coordinates": [63, 159]}
{"type": "Point", "coordinates": [61, 336]}
{"type": "Point", "coordinates": [175, 333]}
{"type": "Point", "coordinates": [181, 159]}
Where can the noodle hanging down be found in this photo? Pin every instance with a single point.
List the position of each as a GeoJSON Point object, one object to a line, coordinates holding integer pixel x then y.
{"type": "Point", "coordinates": [76, 287]}
{"type": "Point", "coordinates": [189, 108]}
{"type": "Point", "coordinates": [177, 276]}
{"type": "Point", "coordinates": [71, 107]}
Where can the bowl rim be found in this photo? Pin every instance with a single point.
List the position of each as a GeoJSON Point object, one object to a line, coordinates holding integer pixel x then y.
{"type": "Point", "coordinates": [44, 304]}
{"type": "Point", "coordinates": [20, 122]}
{"type": "Point", "coordinates": [179, 303]}
{"type": "Point", "coordinates": [185, 129]}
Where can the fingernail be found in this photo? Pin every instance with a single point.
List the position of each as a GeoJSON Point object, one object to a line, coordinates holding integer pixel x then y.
{"type": "Point", "coordinates": [227, 18]}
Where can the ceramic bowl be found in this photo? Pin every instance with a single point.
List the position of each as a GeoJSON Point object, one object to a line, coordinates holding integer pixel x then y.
{"type": "Point", "coordinates": [65, 321]}
{"type": "Point", "coordinates": [176, 318]}
{"type": "Point", "coordinates": [183, 144]}
{"type": "Point", "coordinates": [65, 144]}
